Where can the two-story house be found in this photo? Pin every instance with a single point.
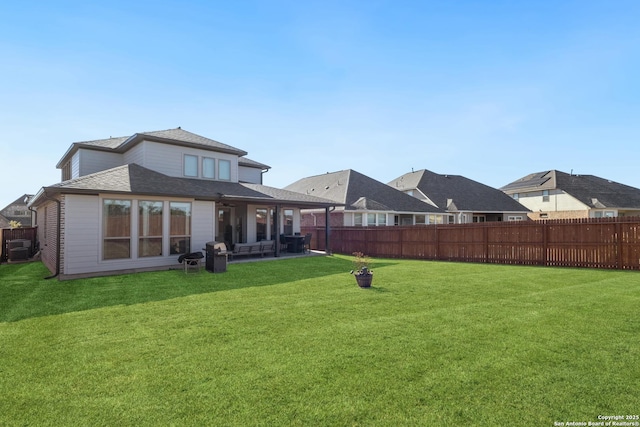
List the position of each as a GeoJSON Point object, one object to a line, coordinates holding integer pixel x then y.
{"type": "Point", "coordinates": [557, 195]}
{"type": "Point", "coordinates": [136, 203]}
{"type": "Point", "coordinates": [464, 199]}
{"type": "Point", "coordinates": [366, 202]}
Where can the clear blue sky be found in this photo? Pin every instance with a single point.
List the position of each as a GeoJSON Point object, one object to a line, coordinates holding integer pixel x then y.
{"type": "Point", "coordinates": [492, 90]}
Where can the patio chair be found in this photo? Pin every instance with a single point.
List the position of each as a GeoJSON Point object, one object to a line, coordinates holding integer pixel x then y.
{"type": "Point", "coordinates": [283, 243]}
{"type": "Point", "coordinates": [306, 245]}
{"type": "Point", "coordinates": [191, 261]}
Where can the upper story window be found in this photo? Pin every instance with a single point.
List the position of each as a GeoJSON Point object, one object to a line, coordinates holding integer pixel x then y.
{"type": "Point", "coordinates": [66, 171]}
{"type": "Point", "coordinates": [516, 196]}
{"type": "Point", "coordinates": [224, 170]}
{"type": "Point", "coordinates": [208, 167]}
{"type": "Point", "coordinates": [545, 195]}
{"type": "Point", "coordinates": [190, 165]}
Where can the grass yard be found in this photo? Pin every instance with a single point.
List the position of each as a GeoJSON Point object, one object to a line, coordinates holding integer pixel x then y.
{"type": "Point", "coordinates": [296, 342]}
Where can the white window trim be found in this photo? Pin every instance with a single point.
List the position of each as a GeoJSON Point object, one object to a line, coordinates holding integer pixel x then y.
{"type": "Point", "coordinates": [220, 161]}
{"type": "Point", "coordinates": [214, 167]}
{"type": "Point", "coordinates": [184, 166]}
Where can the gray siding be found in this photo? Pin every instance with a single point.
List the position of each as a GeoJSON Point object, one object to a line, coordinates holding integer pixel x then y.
{"type": "Point", "coordinates": [168, 159]}
{"type": "Point", "coordinates": [251, 175]}
{"type": "Point", "coordinates": [82, 233]}
{"type": "Point", "coordinates": [83, 236]}
{"type": "Point", "coordinates": [92, 161]}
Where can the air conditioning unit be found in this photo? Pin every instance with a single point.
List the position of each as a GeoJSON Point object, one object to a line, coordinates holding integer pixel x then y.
{"type": "Point", "coordinates": [18, 249]}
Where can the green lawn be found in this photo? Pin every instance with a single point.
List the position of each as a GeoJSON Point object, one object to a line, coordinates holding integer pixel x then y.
{"type": "Point", "coordinates": [296, 342]}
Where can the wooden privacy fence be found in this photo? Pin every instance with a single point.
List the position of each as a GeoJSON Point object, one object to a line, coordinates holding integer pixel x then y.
{"type": "Point", "coordinates": [6, 234]}
{"type": "Point", "coordinates": [597, 242]}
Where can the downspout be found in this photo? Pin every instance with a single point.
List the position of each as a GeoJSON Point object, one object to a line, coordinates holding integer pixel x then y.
{"type": "Point", "coordinates": [33, 212]}
{"type": "Point", "coordinates": [58, 233]}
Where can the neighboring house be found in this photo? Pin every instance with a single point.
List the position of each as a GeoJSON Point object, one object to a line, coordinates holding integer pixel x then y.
{"type": "Point", "coordinates": [466, 200]}
{"type": "Point", "coordinates": [554, 194]}
{"type": "Point", "coordinates": [4, 223]}
{"type": "Point", "coordinates": [18, 211]}
{"type": "Point", "coordinates": [137, 203]}
{"type": "Point", "coordinates": [367, 202]}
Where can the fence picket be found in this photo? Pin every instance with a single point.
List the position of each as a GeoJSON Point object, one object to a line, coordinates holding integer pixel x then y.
{"type": "Point", "coordinates": [612, 243]}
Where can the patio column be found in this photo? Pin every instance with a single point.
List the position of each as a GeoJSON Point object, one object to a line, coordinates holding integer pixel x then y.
{"type": "Point", "coordinates": [276, 238]}
{"type": "Point", "coordinates": [327, 231]}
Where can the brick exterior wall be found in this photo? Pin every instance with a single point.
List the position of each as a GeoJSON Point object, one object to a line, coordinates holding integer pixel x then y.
{"type": "Point", "coordinates": [317, 219]}
{"type": "Point", "coordinates": [48, 234]}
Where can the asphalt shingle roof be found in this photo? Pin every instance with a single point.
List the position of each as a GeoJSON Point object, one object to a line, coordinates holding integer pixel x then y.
{"type": "Point", "coordinates": [591, 190]}
{"type": "Point", "coordinates": [173, 136]}
{"type": "Point", "coordinates": [360, 192]}
{"type": "Point", "coordinates": [466, 194]}
{"type": "Point", "coordinates": [135, 179]}
{"type": "Point", "coordinates": [245, 161]}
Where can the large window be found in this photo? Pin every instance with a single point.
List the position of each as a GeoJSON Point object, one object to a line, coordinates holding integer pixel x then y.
{"type": "Point", "coordinates": [376, 219]}
{"type": "Point", "coordinates": [190, 165]}
{"type": "Point", "coordinates": [180, 228]}
{"type": "Point", "coordinates": [604, 214]}
{"type": "Point", "coordinates": [208, 167]}
{"type": "Point", "coordinates": [357, 219]}
{"type": "Point", "coordinates": [116, 218]}
{"type": "Point", "coordinates": [435, 219]}
{"type": "Point", "coordinates": [224, 170]}
{"type": "Point", "coordinates": [149, 229]}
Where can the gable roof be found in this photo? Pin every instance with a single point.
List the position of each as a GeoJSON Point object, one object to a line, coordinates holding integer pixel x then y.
{"type": "Point", "coordinates": [591, 190]}
{"type": "Point", "coordinates": [19, 201]}
{"type": "Point", "coordinates": [135, 179]}
{"type": "Point", "coordinates": [457, 191]}
{"type": "Point", "coordinates": [359, 192]}
{"type": "Point", "coordinates": [177, 136]}
{"type": "Point", "coordinates": [8, 212]}
{"type": "Point", "coordinates": [533, 182]}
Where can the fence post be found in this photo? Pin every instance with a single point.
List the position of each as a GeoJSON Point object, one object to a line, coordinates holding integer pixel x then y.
{"type": "Point", "coordinates": [618, 238]}
{"type": "Point", "coordinates": [437, 242]}
{"type": "Point", "coordinates": [485, 241]}
{"type": "Point", "coordinates": [545, 243]}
